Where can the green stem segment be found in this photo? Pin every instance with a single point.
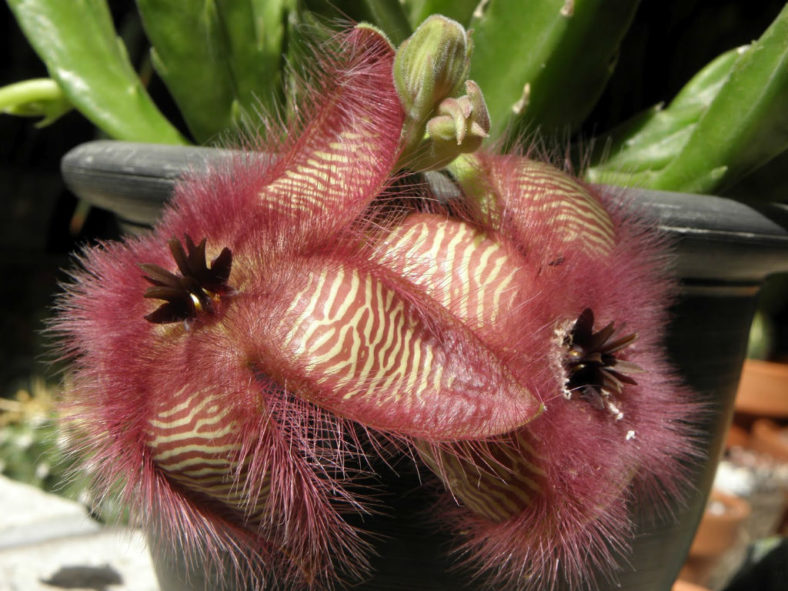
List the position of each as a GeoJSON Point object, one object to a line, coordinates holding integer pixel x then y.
{"type": "Point", "coordinates": [730, 119]}
{"type": "Point", "coordinates": [220, 60]}
{"type": "Point", "coordinates": [38, 97]}
{"type": "Point", "coordinates": [387, 15]}
{"type": "Point", "coordinates": [77, 42]}
{"type": "Point", "coordinates": [459, 10]}
{"type": "Point", "coordinates": [467, 171]}
{"type": "Point", "coordinates": [642, 146]}
{"type": "Point", "coordinates": [545, 62]}
{"type": "Point", "coordinates": [745, 126]}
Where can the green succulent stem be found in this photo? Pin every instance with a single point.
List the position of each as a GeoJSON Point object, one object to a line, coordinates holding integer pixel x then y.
{"type": "Point", "coordinates": [38, 97]}
{"type": "Point", "coordinates": [645, 144]}
{"type": "Point", "coordinates": [35, 90]}
{"type": "Point", "coordinates": [729, 120]}
{"type": "Point", "coordinates": [468, 172]}
{"type": "Point", "coordinates": [544, 63]}
{"type": "Point", "coordinates": [459, 10]}
{"type": "Point", "coordinates": [746, 124]}
{"type": "Point", "coordinates": [219, 60]}
{"type": "Point", "coordinates": [389, 16]}
{"type": "Point", "coordinates": [78, 43]}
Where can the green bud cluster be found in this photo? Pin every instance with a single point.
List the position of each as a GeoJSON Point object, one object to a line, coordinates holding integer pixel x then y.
{"type": "Point", "coordinates": [430, 70]}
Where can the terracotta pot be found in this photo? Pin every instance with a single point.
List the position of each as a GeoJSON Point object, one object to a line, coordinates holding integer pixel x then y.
{"type": "Point", "coordinates": [721, 525]}
{"type": "Point", "coordinates": [763, 390]}
{"type": "Point", "coordinates": [738, 436]}
{"type": "Point", "coordinates": [719, 541]}
{"type": "Point", "coordinates": [687, 586]}
{"type": "Point", "coordinates": [770, 438]}
{"type": "Point", "coordinates": [724, 252]}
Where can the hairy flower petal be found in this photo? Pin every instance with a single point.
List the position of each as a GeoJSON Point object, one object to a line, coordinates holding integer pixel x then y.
{"type": "Point", "coordinates": [331, 163]}
{"type": "Point", "coordinates": [548, 502]}
{"type": "Point", "coordinates": [355, 341]}
{"type": "Point", "coordinates": [214, 458]}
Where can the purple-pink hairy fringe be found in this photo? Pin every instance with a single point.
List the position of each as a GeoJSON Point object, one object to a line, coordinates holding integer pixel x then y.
{"type": "Point", "coordinates": [237, 392]}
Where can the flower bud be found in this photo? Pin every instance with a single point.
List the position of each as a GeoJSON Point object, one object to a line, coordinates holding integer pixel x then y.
{"type": "Point", "coordinates": [430, 68]}
{"type": "Point", "coordinates": [460, 127]}
{"type": "Point", "coordinates": [431, 65]}
{"type": "Point", "coordinates": [461, 121]}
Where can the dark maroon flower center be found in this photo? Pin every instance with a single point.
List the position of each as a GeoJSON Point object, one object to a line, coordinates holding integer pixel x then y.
{"type": "Point", "coordinates": [195, 291]}
{"type": "Point", "coordinates": [593, 367]}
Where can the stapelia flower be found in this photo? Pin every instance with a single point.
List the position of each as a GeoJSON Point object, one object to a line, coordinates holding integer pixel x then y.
{"type": "Point", "coordinates": [225, 364]}
{"type": "Point", "coordinates": [190, 388]}
{"type": "Point", "coordinates": [233, 368]}
{"type": "Point", "coordinates": [572, 292]}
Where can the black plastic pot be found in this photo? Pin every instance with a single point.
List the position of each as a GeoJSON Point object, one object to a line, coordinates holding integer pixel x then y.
{"type": "Point", "coordinates": [724, 251]}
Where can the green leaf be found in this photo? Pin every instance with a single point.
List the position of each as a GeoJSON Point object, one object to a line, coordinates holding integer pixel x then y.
{"type": "Point", "coordinates": [77, 42]}
{"type": "Point", "coordinates": [544, 63]}
{"type": "Point", "coordinates": [387, 15]}
{"type": "Point", "coordinates": [255, 34]}
{"type": "Point", "coordinates": [220, 59]}
{"type": "Point", "coordinates": [746, 124]}
{"type": "Point", "coordinates": [39, 97]}
{"type": "Point", "coordinates": [190, 54]}
{"type": "Point", "coordinates": [651, 140]}
{"type": "Point", "coordinates": [459, 10]}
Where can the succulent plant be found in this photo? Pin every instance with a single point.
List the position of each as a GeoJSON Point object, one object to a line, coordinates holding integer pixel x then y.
{"type": "Point", "coordinates": [541, 64]}
{"type": "Point", "coordinates": [238, 371]}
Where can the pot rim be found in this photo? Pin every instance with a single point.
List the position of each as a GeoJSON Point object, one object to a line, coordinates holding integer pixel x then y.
{"type": "Point", "coordinates": [716, 238]}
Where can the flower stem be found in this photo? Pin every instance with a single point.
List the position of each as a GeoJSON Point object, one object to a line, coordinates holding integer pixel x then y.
{"type": "Point", "coordinates": [37, 97]}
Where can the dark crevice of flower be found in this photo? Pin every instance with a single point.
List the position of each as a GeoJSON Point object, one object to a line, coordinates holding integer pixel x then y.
{"type": "Point", "coordinates": [592, 363]}
{"type": "Point", "coordinates": [195, 291]}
